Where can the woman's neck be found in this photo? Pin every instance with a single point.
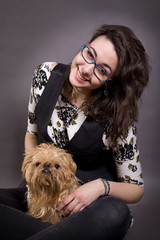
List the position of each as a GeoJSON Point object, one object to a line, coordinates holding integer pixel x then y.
{"type": "Point", "coordinates": [78, 96]}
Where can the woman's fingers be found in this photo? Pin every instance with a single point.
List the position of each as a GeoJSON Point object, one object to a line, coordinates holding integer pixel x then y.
{"type": "Point", "coordinates": [78, 208]}
{"type": "Point", "coordinates": [71, 205]}
{"type": "Point", "coordinates": [81, 197]}
{"type": "Point", "coordinates": [65, 202]}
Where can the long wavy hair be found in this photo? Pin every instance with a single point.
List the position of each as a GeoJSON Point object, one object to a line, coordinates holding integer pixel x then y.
{"type": "Point", "coordinates": [118, 100]}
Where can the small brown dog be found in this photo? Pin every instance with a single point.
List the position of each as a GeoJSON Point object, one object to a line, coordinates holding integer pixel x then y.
{"type": "Point", "coordinates": [50, 175]}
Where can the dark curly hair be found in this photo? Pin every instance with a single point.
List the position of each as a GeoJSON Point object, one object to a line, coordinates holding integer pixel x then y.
{"type": "Point", "coordinates": [118, 100]}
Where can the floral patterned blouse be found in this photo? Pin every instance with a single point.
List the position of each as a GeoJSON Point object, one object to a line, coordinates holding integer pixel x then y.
{"type": "Point", "coordinates": [66, 120]}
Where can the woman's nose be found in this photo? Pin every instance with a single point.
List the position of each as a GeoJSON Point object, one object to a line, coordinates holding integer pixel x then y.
{"type": "Point", "coordinates": [87, 69]}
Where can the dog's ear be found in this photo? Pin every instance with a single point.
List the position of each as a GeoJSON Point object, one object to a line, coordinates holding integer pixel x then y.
{"type": "Point", "coordinates": [28, 157]}
{"type": "Point", "coordinates": [71, 164]}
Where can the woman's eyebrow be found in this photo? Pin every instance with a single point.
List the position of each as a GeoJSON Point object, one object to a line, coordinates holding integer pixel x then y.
{"type": "Point", "coordinates": [94, 51]}
{"type": "Point", "coordinates": [104, 64]}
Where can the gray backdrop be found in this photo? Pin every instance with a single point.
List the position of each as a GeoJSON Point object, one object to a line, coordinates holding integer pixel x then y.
{"type": "Point", "coordinates": [35, 31]}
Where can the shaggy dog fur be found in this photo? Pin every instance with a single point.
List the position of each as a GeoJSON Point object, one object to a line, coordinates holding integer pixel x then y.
{"type": "Point", "coordinates": [50, 175]}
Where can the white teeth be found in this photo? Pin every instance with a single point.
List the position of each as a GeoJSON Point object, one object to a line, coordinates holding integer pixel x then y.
{"type": "Point", "coordinates": [81, 77]}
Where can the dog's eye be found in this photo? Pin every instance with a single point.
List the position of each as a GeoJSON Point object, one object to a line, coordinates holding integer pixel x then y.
{"type": "Point", "coordinates": [56, 166]}
{"type": "Point", "coordinates": [37, 164]}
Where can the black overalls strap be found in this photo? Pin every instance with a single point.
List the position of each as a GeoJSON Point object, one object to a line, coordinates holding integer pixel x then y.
{"type": "Point", "coordinates": [48, 100]}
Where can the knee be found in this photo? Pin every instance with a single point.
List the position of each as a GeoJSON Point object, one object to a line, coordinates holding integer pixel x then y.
{"type": "Point", "coordinates": [117, 211]}
{"type": "Point", "coordinates": [119, 216]}
{"type": "Point", "coordinates": [114, 215]}
{"type": "Point", "coordinates": [112, 208]}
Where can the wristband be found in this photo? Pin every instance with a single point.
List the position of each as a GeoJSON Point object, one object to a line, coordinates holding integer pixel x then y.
{"type": "Point", "coordinates": [106, 186]}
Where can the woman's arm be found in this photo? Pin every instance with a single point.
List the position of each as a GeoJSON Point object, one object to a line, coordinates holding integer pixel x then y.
{"type": "Point", "coordinates": [30, 141]}
{"type": "Point", "coordinates": [89, 192]}
{"type": "Point", "coordinates": [128, 167]}
{"type": "Point", "coordinates": [128, 192]}
{"type": "Point", "coordinates": [40, 79]}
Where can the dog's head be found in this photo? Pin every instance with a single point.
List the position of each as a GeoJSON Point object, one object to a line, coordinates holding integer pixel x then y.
{"type": "Point", "coordinates": [48, 167]}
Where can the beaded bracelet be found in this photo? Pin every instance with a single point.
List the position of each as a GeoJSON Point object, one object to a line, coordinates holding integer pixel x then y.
{"type": "Point", "coordinates": [106, 186]}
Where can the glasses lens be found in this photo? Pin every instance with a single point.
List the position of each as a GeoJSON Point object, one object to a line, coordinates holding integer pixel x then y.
{"type": "Point", "coordinates": [101, 74]}
{"type": "Point", "coordinates": [88, 55]}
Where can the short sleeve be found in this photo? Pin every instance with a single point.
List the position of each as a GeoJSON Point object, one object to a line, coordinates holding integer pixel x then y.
{"type": "Point", "coordinates": [39, 81]}
{"type": "Point", "coordinates": [127, 159]}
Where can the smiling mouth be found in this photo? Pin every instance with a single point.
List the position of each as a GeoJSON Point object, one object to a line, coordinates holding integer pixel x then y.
{"type": "Point", "coordinates": [79, 75]}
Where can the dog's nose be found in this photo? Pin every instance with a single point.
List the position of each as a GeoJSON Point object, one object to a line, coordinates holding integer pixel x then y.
{"type": "Point", "coordinates": [46, 166]}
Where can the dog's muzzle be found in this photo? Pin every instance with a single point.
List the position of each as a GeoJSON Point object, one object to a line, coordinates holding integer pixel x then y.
{"type": "Point", "coordinates": [46, 168]}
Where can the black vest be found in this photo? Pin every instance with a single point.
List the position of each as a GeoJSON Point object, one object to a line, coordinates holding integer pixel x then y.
{"type": "Point", "coordinates": [86, 146]}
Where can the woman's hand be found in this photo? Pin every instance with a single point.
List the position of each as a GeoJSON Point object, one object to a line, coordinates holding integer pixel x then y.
{"type": "Point", "coordinates": [82, 197]}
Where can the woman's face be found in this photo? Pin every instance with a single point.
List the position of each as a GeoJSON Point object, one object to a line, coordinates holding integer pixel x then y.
{"type": "Point", "coordinates": [82, 75]}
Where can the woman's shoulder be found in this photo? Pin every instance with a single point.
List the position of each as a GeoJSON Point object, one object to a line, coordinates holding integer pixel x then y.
{"type": "Point", "coordinates": [130, 136]}
{"type": "Point", "coordinates": [46, 67]}
{"type": "Point", "coordinates": [40, 78]}
{"type": "Point", "coordinates": [42, 73]}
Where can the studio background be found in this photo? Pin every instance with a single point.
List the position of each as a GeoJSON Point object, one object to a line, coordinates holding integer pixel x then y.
{"type": "Point", "coordinates": [35, 31]}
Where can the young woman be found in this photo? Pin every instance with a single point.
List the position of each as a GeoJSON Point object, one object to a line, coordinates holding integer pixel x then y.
{"type": "Point", "coordinates": [89, 108]}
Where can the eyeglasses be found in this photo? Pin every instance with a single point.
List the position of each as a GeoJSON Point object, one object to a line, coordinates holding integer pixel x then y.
{"type": "Point", "coordinates": [99, 72]}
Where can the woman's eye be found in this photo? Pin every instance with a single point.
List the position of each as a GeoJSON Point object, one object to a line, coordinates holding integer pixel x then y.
{"type": "Point", "coordinates": [37, 164]}
{"type": "Point", "coordinates": [90, 55]}
{"type": "Point", "coordinates": [56, 166]}
{"type": "Point", "coordinates": [102, 71]}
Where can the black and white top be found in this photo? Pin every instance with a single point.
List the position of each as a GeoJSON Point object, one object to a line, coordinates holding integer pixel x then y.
{"type": "Point", "coordinates": [66, 120]}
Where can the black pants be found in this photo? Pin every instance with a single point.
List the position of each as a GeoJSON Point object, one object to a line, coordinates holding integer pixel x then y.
{"type": "Point", "coordinates": [106, 218]}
